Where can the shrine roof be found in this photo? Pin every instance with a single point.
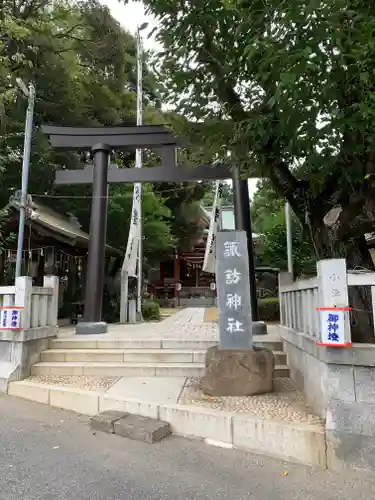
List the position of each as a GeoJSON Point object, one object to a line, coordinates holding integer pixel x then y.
{"type": "Point", "coordinates": [66, 226]}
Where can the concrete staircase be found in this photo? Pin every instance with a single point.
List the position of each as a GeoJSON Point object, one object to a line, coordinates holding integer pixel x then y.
{"type": "Point", "coordinates": [135, 357]}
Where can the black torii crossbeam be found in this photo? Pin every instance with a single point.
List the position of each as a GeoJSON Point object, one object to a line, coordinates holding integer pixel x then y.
{"type": "Point", "coordinates": [154, 174]}
{"type": "Point", "coordinates": [101, 141]}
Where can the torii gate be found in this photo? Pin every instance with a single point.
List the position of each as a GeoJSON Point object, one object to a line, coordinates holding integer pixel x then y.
{"type": "Point", "coordinates": [103, 140]}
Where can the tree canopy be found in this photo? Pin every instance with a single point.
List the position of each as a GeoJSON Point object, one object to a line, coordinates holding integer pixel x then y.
{"type": "Point", "coordinates": [83, 65]}
{"type": "Point", "coordinates": [287, 87]}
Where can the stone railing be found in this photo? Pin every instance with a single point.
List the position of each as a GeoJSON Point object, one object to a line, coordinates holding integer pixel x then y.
{"type": "Point", "coordinates": [300, 299]}
{"type": "Point", "coordinates": [36, 311]}
{"type": "Point", "coordinates": [38, 305]}
{"type": "Point", "coordinates": [298, 303]}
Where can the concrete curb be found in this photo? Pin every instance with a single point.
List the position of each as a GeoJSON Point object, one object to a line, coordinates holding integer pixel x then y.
{"type": "Point", "coordinates": [299, 443]}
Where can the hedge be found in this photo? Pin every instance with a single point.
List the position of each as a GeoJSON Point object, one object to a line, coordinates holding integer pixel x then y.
{"type": "Point", "coordinates": [151, 311]}
{"type": "Point", "coordinates": [269, 309]}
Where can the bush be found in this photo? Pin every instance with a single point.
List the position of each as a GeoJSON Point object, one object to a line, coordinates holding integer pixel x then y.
{"type": "Point", "coordinates": [269, 309]}
{"type": "Point", "coordinates": [151, 311]}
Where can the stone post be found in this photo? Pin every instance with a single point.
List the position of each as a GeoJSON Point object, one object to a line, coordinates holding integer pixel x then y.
{"type": "Point", "coordinates": [24, 285]}
{"type": "Point", "coordinates": [284, 280]}
{"type": "Point", "coordinates": [333, 289]}
{"type": "Point", "coordinates": [53, 306]}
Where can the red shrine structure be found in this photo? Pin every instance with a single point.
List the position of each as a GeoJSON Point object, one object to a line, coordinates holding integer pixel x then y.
{"type": "Point", "coordinates": [181, 278]}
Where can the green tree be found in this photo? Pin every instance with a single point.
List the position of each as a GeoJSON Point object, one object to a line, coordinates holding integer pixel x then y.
{"type": "Point", "coordinates": [268, 218]}
{"type": "Point", "coordinates": [83, 65]}
{"type": "Point", "coordinates": [227, 195]}
{"type": "Point", "coordinates": [184, 202]}
{"type": "Point", "coordinates": [288, 88]}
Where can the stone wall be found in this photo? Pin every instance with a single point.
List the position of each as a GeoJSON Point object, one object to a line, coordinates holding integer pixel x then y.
{"type": "Point", "coordinates": [18, 354]}
{"type": "Point", "coordinates": [339, 384]}
{"type": "Point", "coordinates": [21, 348]}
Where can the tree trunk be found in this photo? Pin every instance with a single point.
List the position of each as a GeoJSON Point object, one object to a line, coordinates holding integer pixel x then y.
{"type": "Point", "coordinates": [358, 257]}
{"type": "Point", "coordinates": [362, 321]}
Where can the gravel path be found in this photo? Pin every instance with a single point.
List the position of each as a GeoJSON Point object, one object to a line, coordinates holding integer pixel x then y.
{"type": "Point", "coordinates": [286, 403]}
{"type": "Point", "coordinates": [77, 381]}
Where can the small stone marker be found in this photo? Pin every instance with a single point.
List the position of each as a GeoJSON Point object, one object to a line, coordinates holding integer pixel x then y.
{"type": "Point", "coordinates": [104, 422]}
{"type": "Point", "coordinates": [141, 428]}
{"type": "Point", "coordinates": [233, 290]}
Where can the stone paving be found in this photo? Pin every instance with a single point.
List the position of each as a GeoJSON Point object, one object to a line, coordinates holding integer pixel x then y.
{"type": "Point", "coordinates": [189, 323]}
{"type": "Point", "coordinates": [185, 324]}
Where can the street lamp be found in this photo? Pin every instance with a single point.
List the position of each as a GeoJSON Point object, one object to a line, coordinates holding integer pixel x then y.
{"type": "Point", "coordinates": [30, 94]}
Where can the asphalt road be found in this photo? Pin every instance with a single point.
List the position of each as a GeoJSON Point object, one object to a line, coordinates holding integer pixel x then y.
{"type": "Point", "coordinates": [51, 454]}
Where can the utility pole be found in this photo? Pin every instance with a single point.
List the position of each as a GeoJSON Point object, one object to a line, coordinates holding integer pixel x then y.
{"type": "Point", "coordinates": [138, 164]}
{"type": "Point", "coordinates": [30, 94]}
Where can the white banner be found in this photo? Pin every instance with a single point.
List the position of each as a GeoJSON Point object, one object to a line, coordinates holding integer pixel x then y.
{"type": "Point", "coordinates": [131, 255]}
{"type": "Point", "coordinates": [209, 263]}
{"type": "Point", "coordinates": [132, 259]}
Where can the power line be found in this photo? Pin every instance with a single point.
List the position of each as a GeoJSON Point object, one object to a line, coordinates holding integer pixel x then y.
{"type": "Point", "coordinates": [116, 196]}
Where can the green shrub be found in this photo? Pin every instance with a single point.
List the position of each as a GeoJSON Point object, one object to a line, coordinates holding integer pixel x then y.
{"type": "Point", "coordinates": [151, 311]}
{"type": "Point", "coordinates": [269, 309]}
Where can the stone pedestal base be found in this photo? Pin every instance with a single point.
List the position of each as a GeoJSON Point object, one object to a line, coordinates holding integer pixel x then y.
{"type": "Point", "coordinates": [91, 328]}
{"type": "Point", "coordinates": [238, 372]}
{"type": "Point", "coordinates": [259, 328]}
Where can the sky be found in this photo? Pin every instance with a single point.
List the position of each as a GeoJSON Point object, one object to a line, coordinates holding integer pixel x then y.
{"type": "Point", "coordinates": [132, 15]}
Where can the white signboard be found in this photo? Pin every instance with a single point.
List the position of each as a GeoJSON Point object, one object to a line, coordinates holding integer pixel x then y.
{"type": "Point", "coordinates": [213, 286]}
{"type": "Point", "coordinates": [334, 323]}
{"type": "Point", "coordinates": [10, 318]}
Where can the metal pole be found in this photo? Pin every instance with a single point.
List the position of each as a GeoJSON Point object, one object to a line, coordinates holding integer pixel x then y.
{"type": "Point", "coordinates": [25, 175]}
{"type": "Point", "coordinates": [138, 164]}
{"type": "Point", "coordinates": [242, 217]}
{"type": "Point", "coordinates": [289, 247]}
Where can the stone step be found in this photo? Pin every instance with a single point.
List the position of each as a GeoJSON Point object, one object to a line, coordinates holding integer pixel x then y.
{"type": "Point", "coordinates": [157, 343]}
{"type": "Point", "coordinates": [135, 355]}
{"type": "Point", "coordinates": [129, 369]}
{"type": "Point", "coordinates": [114, 369]}
{"type": "Point", "coordinates": [125, 355]}
{"type": "Point", "coordinates": [281, 371]}
{"type": "Point", "coordinates": [131, 343]}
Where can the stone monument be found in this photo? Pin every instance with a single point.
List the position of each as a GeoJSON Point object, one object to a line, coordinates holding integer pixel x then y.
{"type": "Point", "coordinates": [235, 367]}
